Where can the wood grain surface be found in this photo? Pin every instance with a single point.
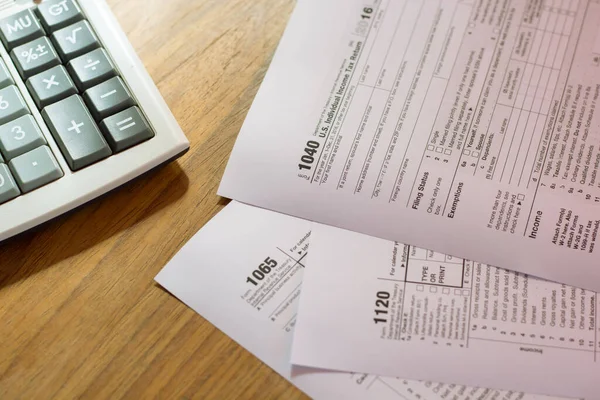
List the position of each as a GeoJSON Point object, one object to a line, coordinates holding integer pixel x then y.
{"type": "Point", "coordinates": [80, 314]}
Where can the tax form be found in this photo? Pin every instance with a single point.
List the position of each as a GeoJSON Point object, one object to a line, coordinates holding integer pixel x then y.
{"type": "Point", "coordinates": [243, 272]}
{"type": "Point", "coordinates": [465, 126]}
{"type": "Point", "coordinates": [377, 306]}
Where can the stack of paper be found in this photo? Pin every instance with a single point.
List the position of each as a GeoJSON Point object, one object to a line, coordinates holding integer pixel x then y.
{"type": "Point", "coordinates": [466, 127]}
{"type": "Point", "coordinates": [216, 272]}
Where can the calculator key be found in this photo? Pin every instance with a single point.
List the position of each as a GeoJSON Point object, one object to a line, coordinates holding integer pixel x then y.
{"type": "Point", "coordinates": [75, 40]}
{"type": "Point", "coordinates": [8, 187]}
{"type": "Point", "coordinates": [5, 77]}
{"type": "Point", "coordinates": [20, 136]}
{"type": "Point", "coordinates": [34, 57]}
{"type": "Point", "coordinates": [51, 86]}
{"type": "Point", "coordinates": [126, 129]}
{"type": "Point", "coordinates": [91, 69]}
{"type": "Point", "coordinates": [20, 28]}
{"type": "Point", "coordinates": [12, 105]}
{"type": "Point", "coordinates": [108, 98]}
{"type": "Point", "coordinates": [76, 132]}
{"type": "Point", "coordinates": [35, 169]}
{"type": "Point", "coordinates": [56, 14]}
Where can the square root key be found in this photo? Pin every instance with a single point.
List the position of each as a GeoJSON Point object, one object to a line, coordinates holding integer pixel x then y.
{"type": "Point", "coordinates": [75, 40]}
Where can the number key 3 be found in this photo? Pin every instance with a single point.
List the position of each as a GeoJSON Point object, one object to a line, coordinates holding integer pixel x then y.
{"type": "Point", "coordinates": [20, 136]}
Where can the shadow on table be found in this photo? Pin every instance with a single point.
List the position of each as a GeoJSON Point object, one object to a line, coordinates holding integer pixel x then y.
{"type": "Point", "coordinates": [90, 224]}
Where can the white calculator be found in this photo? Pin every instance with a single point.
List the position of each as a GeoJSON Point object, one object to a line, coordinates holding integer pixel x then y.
{"type": "Point", "coordinates": [79, 114]}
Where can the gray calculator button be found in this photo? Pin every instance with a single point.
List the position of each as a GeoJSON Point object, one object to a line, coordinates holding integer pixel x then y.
{"type": "Point", "coordinates": [91, 69]}
{"type": "Point", "coordinates": [20, 136]}
{"type": "Point", "coordinates": [126, 129]}
{"type": "Point", "coordinates": [8, 187]}
{"type": "Point", "coordinates": [56, 14]}
{"type": "Point", "coordinates": [20, 28]}
{"type": "Point", "coordinates": [76, 132]}
{"type": "Point", "coordinates": [51, 86]}
{"type": "Point", "coordinates": [34, 57]}
{"type": "Point", "coordinates": [5, 77]}
{"type": "Point", "coordinates": [108, 98]}
{"type": "Point", "coordinates": [35, 169]}
{"type": "Point", "coordinates": [75, 40]}
{"type": "Point", "coordinates": [12, 105]}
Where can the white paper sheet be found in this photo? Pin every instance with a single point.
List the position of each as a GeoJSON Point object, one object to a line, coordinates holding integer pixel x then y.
{"type": "Point", "coordinates": [214, 275]}
{"type": "Point", "coordinates": [376, 306]}
{"type": "Point", "coordinates": [468, 127]}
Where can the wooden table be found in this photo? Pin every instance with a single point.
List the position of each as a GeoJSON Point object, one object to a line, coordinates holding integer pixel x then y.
{"type": "Point", "coordinates": [80, 315]}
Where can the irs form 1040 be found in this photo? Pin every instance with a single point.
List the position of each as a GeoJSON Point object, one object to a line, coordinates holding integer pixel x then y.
{"type": "Point", "coordinates": [468, 127]}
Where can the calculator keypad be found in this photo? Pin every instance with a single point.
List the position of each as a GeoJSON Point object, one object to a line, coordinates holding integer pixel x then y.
{"type": "Point", "coordinates": [85, 104]}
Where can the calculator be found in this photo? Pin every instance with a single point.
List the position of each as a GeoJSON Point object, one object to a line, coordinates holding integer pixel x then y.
{"type": "Point", "coordinates": [79, 114]}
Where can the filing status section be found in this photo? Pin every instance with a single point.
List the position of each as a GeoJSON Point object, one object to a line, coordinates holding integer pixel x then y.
{"type": "Point", "coordinates": [482, 110]}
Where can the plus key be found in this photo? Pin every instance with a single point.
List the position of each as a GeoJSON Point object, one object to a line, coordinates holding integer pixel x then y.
{"type": "Point", "coordinates": [76, 133]}
{"type": "Point", "coordinates": [75, 127]}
